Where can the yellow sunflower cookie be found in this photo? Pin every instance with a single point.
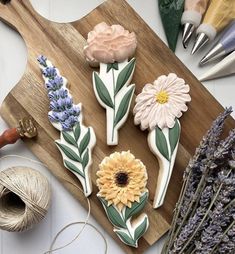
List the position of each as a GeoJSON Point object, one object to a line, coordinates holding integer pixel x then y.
{"type": "Point", "coordinates": [122, 191]}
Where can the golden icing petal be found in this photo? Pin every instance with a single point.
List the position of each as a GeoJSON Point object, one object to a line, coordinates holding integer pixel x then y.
{"type": "Point", "coordinates": [121, 179]}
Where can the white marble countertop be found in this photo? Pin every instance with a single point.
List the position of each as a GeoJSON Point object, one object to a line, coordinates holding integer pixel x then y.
{"type": "Point", "coordinates": [65, 208]}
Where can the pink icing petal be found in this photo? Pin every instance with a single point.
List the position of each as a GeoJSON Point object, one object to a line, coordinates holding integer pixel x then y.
{"type": "Point", "coordinates": [120, 55]}
{"type": "Point", "coordinates": [118, 29]}
{"type": "Point", "coordinates": [104, 56]}
{"type": "Point", "coordinates": [99, 28]}
{"type": "Point", "coordinates": [113, 43]}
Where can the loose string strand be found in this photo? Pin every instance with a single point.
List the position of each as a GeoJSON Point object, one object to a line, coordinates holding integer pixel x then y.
{"type": "Point", "coordinates": [85, 223]}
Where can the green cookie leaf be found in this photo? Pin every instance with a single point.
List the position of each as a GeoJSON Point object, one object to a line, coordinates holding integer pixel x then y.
{"type": "Point", "coordinates": [112, 66]}
{"type": "Point", "coordinates": [136, 207]}
{"type": "Point", "coordinates": [174, 134]}
{"type": "Point", "coordinates": [113, 215]}
{"type": "Point", "coordinates": [126, 238]}
{"type": "Point", "coordinates": [77, 131]}
{"type": "Point", "coordinates": [84, 142]}
{"type": "Point", "coordinates": [68, 138]}
{"type": "Point", "coordinates": [72, 167]}
{"type": "Point", "coordinates": [141, 229]}
{"type": "Point", "coordinates": [69, 152]}
{"type": "Point", "coordinates": [102, 91]}
{"type": "Point", "coordinates": [161, 143]}
{"type": "Point", "coordinates": [85, 159]}
{"type": "Point", "coordinates": [124, 105]}
{"type": "Point", "coordinates": [124, 75]}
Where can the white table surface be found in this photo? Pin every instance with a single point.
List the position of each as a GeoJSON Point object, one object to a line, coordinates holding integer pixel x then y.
{"type": "Point", "coordinates": [65, 208]}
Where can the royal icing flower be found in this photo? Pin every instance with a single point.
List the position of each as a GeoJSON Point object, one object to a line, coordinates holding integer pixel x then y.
{"type": "Point", "coordinates": [121, 179]}
{"type": "Point", "coordinates": [109, 44]}
{"type": "Point", "coordinates": [63, 111]}
{"type": "Point", "coordinates": [161, 102]}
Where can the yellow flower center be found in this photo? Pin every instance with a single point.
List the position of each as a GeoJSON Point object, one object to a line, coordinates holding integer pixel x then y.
{"type": "Point", "coordinates": [121, 179]}
{"type": "Point", "coordinates": [162, 97]}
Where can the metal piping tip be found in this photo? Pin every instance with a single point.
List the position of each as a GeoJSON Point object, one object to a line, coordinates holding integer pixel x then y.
{"type": "Point", "coordinates": [187, 33]}
{"type": "Point", "coordinates": [213, 54]}
{"type": "Point", "coordinates": [201, 40]}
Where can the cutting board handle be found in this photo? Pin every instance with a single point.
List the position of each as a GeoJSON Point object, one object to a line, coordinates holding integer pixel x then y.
{"type": "Point", "coordinates": [18, 14]}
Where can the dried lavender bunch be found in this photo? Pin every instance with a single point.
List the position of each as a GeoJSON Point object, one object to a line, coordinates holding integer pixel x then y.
{"type": "Point", "coordinates": [210, 158]}
{"type": "Point", "coordinates": [215, 233]}
{"type": "Point", "coordinates": [193, 171]}
{"type": "Point", "coordinates": [193, 222]}
{"type": "Point", "coordinates": [220, 155]}
{"type": "Point", "coordinates": [206, 147]}
{"type": "Point", "coordinates": [227, 244]}
{"type": "Point", "coordinates": [219, 217]}
{"type": "Point", "coordinates": [63, 111]}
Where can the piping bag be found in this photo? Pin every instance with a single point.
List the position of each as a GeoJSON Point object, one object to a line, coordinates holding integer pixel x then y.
{"type": "Point", "coordinates": [191, 18]}
{"type": "Point", "coordinates": [223, 68]}
{"type": "Point", "coordinates": [171, 13]}
{"type": "Point", "coordinates": [219, 14]}
{"type": "Point", "coordinates": [225, 45]}
{"type": "Point", "coordinates": [26, 128]}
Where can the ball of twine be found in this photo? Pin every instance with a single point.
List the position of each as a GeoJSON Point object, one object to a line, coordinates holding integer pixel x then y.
{"type": "Point", "coordinates": [24, 198]}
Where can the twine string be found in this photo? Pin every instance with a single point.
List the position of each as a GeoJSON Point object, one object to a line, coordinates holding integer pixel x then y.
{"type": "Point", "coordinates": [85, 223]}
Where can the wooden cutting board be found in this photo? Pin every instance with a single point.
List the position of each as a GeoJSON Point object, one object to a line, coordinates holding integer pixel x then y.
{"type": "Point", "coordinates": [63, 45]}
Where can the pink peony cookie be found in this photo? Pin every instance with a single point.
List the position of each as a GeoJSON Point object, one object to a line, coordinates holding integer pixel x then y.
{"type": "Point", "coordinates": [111, 47]}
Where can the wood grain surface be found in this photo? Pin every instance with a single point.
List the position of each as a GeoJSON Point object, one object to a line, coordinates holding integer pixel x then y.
{"type": "Point", "coordinates": [63, 45]}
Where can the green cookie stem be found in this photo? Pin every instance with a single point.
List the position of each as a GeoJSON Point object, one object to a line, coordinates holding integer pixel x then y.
{"type": "Point", "coordinates": [171, 12]}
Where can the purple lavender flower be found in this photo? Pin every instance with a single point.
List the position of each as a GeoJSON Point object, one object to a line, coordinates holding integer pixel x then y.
{"type": "Point", "coordinates": [71, 121]}
{"type": "Point", "coordinates": [58, 116]}
{"type": "Point", "coordinates": [68, 102]}
{"type": "Point", "coordinates": [50, 72]}
{"type": "Point", "coordinates": [54, 106]}
{"type": "Point", "coordinates": [75, 110]}
{"type": "Point", "coordinates": [66, 126]}
{"type": "Point", "coordinates": [55, 95]}
{"type": "Point", "coordinates": [62, 93]}
{"type": "Point", "coordinates": [55, 83]}
{"type": "Point", "coordinates": [63, 110]}
{"type": "Point", "coordinates": [42, 60]}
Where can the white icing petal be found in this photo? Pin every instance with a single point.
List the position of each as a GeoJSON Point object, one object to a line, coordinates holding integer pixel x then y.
{"type": "Point", "coordinates": [151, 111]}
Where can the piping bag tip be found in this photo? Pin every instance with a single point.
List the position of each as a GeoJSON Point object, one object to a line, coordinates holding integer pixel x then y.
{"type": "Point", "coordinates": [202, 78]}
{"type": "Point", "coordinates": [201, 40]}
{"type": "Point", "coordinates": [203, 61]}
{"type": "Point", "coordinates": [187, 33]}
{"type": "Point", "coordinates": [185, 44]}
{"type": "Point", "coordinates": [213, 54]}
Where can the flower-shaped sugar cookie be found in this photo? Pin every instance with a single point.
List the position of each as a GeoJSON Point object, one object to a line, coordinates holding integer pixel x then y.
{"type": "Point", "coordinates": [122, 191]}
{"type": "Point", "coordinates": [76, 140]}
{"type": "Point", "coordinates": [158, 108]}
{"type": "Point", "coordinates": [111, 47]}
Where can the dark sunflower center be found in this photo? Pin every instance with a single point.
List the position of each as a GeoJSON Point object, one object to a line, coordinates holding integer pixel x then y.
{"type": "Point", "coordinates": [121, 179]}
